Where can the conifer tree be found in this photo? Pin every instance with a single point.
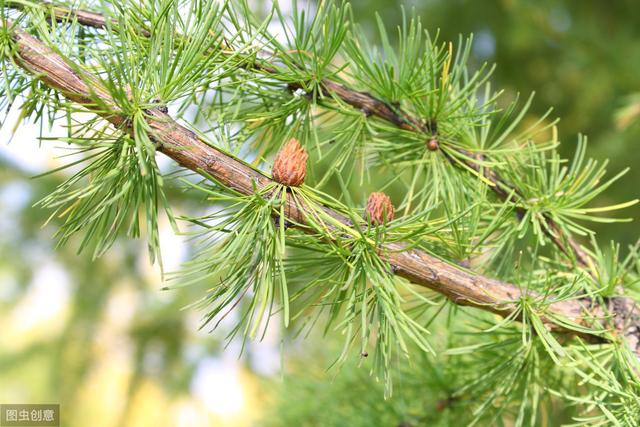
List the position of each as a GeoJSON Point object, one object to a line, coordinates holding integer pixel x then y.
{"type": "Point", "coordinates": [387, 193]}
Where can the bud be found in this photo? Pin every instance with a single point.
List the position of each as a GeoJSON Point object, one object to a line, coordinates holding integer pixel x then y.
{"type": "Point", "coordinates": [433, 145]}
{"type": "Point", "coordinates": [290, 164]}
{"type": "Point", "coordinates": [379, 208]}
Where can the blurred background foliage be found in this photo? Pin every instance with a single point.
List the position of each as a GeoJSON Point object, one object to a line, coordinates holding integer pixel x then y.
{"type": "Point", "coordinates": [102, 339]}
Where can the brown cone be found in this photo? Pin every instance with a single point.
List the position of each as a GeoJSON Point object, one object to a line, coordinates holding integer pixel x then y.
{"type": "Point", "coordinates": [433, 145]}
{"type": "Point", "coordinates": [379, 207]}
{"type": "Point", "coordinates": [290, 164]}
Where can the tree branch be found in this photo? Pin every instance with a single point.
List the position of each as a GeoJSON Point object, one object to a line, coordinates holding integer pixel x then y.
{"type": "Point", "coordinates": [187, 149]}
{"type": "Point", "coordinates": [375, 107]}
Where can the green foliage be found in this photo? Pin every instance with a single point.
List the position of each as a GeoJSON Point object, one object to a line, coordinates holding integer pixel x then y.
{"type": "Point", "coordinates": [312, 43]}
{"type": "Point", "coordinates": [363, 301]}
{"type": "Point", "coordinates": [179, 60]}
{"type": "Point", "coordinates": [242, 255]}
{"type": "Point", "coordinates": [485, 197]}
{"type": "Point", "coordinates": [105, 197]}
{"type": "Point", "coordinates": [549, 188]}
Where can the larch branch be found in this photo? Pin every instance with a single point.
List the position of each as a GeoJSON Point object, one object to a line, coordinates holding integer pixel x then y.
{"type": "Point", "coordinates": [188, 150]}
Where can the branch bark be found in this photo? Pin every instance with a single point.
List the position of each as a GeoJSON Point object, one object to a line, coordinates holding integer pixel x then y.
{"type": "Point", "coordinates": [188, 150]}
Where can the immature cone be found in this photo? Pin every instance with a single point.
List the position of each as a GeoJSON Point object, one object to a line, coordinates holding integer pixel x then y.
{"type": "Point", "coordinates": [290, 165]}
{"type": "Point", "coordinates": [379, 208]}
{"type": "Point", "coordinates": [433, 145]}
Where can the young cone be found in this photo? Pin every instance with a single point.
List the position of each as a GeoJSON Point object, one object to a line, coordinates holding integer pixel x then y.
{"type": "Point", "coordinates": [290, 165]}
{"type": "Point", "coordinates": [379, 208]}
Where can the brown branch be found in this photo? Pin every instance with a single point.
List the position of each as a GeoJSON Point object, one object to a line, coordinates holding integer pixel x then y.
{"type": "Point", "coordinates": [187, 149]}
{"type": "Point", "coordinates": [373, 106]}
{"type": "Point", "coordinates": [84, 17]}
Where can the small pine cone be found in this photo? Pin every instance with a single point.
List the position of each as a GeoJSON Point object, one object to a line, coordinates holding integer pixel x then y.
{"type": "Point", "coordinates": [433, 145]}
{"type": "Point", "coordinates": [290, 165]}
{"type": "Point", "coordinates": [379, 207]}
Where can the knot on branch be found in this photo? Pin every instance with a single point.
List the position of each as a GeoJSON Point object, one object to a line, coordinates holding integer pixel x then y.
{"type": "Point", "coordinates": [626, 320]}
{"type": "Point", "coordinates": [159, 105]}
